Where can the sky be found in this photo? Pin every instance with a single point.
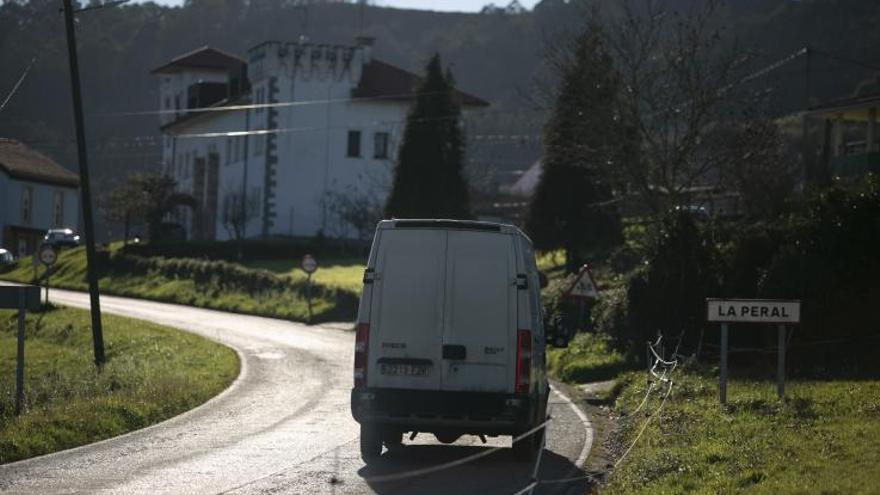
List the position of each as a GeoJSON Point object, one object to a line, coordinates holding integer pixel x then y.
{"type": "Point", "coordinates": [445, 5]}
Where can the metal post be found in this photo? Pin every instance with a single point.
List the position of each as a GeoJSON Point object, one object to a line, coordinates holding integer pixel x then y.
{"type": "Point", "coordinates": [19, 368]}
{"type": "Point", "coordinates": [85, 189]}
{"type": "Point", "coordinates": [780, 371]}
{"type": "Point", "coordinates": [723, 385]}
{"type": "Point", "coordinates": [309, 294]}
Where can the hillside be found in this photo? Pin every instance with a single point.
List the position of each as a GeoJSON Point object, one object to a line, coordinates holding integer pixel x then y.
{"type": "Point", "coordinates": [497, 56]}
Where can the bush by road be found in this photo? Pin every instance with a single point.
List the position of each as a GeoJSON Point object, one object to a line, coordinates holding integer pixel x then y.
{"type": "Point", "coordinates": [152, 373]}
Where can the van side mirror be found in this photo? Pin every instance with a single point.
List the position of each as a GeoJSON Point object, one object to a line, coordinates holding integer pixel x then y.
{"type": "Point", "coordinates": [542, 279]}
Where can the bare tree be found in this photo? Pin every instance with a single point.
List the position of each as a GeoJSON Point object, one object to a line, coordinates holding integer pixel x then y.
{"type": "Point", "coordinates": [237, 212]}
{"type": "Point", "coordinates": [679, 80]}
{"type": "Point", "coordinates": [352, 210]}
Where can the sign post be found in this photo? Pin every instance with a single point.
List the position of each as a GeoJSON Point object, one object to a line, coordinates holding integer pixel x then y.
{"type": "Point", "coordinates": [48, 257]}
{"type": "Point", "coordinates": [22, 297]}
{"type": "Point", "coordinates": [726, 311]}
{"type": "Point", "coordinates": [309, 265]}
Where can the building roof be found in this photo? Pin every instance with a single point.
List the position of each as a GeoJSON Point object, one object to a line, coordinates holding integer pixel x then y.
{"type": "Point", "coordinates": [867, 95]}
{"type": "Point", "coordinates": [21, 162]}
{"type": "Point", "coordinates": [383, 80]}
{"type": "Point", "coordinates": [201, 58]}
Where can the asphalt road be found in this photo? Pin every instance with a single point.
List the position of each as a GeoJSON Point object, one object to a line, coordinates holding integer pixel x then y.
{"type": "Point", "coordinates": [283, 427]}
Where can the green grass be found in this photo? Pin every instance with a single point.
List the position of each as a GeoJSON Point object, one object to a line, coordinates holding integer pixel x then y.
{"type": "Point", "coordinates": [589, 357]}
{"type": "Point", "coordinates": [824, 438]}
{"type": "Point", "coordinates": [152, 373]}
{"type": "Point", "coordinates": [287, 303]}
{"type": "Point", "coordinates": [344, 273]}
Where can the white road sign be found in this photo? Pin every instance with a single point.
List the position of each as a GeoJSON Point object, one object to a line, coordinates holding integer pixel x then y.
{"type": "Point", "coordinates": [753, 310]}
{"type": "Point", "coordinates": [309, 264]}
{"type": "Point", "coordinates": [48, 255]}
{"type": "Point", "coordinates": [584, 286]}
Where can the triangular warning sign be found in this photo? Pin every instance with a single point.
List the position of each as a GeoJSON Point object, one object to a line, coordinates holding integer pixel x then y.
{"type": "Point", "coordinates": [583, 285]}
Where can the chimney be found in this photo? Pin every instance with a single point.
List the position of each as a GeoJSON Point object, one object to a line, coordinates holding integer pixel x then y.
{"type": "Point", "coordinates": [365, 43]}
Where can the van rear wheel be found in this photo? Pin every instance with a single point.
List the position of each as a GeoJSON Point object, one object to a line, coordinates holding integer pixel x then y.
{"type": "Point", "coordinates": [392, 439]}
{"type": "Point", "coordinates": [371, 443]}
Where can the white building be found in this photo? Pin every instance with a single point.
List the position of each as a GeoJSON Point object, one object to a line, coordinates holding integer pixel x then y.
{"type": "Point", "coordinates": [36, 194]}
{"type": "Point", "coordinates": [332, 122]}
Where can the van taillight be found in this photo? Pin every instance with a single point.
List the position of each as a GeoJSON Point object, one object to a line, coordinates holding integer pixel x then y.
{"type": "Point", "coordinates": [523, 361]}
{"type": "Point", "coordinates": [361, 346]}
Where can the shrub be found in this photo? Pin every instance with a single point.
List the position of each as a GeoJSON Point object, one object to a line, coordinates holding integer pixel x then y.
{"type": "Point", "coordinates": [668, 294]}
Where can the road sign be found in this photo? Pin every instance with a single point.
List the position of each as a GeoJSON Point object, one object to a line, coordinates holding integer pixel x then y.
{"type": "Point", "coordinates": [583, 285]}
{"type": "Point", "coordinates": [726, 311]}
{"type": "Point", "coordinates": [23, 297]}
{"type": "Point", "coordinates": [753, 311]}
{"type": "Point", "coordinates": [48, 256]}
{"type": "Point", "coordinates": [309, 264]}
{"type": "Point", "coordinates": [10, 296]}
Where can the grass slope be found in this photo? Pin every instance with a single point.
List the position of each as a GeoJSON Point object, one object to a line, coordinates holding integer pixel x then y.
{"type": "Point", "coordinates": [152, 373]}
{"type": "Point", "coordinates": [345, 273]}
{"type": "Point", "coordinates": [824, 438]}
{"type": "Point", "coordinates": [216, 293]}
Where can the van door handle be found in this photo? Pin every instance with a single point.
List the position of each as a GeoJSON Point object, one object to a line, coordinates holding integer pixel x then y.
{"type": "Point", "coordinates": [458, 352]}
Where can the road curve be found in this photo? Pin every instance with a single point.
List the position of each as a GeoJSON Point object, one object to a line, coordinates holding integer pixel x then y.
{"type": "Point", "coordinates": [283, 427]}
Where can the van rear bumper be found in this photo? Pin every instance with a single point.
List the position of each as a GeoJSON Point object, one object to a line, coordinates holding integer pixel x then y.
{"type": "Point", "coordinates": [433, 411]}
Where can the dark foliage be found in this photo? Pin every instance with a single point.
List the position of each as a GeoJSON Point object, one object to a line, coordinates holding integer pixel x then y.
{"type": "Point", "coordinates": [428, 179]}
{"type": "Point", "coordinates": [669, 294]}
{"type": "Point", "coordinates": [571, 207]}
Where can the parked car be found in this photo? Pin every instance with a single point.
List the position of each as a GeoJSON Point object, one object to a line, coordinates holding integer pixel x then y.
{"type": "Point", "coordinates": [59, 238]}
{"type": "Point", "coordinates": [450, 339]}
{"type": "Point", "coordinates": [6, 257]}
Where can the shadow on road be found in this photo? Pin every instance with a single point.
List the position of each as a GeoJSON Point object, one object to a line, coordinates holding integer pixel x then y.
{"type": "Point", "coordinates": [498, 473]}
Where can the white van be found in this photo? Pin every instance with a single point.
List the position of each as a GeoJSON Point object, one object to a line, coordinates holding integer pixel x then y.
{"type": "Point", "coordinates": [450, 339]}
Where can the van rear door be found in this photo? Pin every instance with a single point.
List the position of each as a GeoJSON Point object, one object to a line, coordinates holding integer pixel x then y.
{"type": "Point", "coordinates": [406, 321]}
{"type": "Point", "coordinates": [479, 334]}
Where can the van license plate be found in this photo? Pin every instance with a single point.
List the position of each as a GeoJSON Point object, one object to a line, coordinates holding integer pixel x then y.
{"type": "Point", "coordinates": [403, 369]}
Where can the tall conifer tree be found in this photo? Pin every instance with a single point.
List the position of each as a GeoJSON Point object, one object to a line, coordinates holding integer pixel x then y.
{"type": "Point", "coordinates": [570, 207]}
{"type": "Point", "coordinates": [429, 178]}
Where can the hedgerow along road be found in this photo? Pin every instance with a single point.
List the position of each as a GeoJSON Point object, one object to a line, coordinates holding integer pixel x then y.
{"type": "Point", "coordinates": [283, 426]}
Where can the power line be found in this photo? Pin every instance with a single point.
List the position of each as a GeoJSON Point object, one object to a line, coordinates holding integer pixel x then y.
{"type": "Point", "coordinates": [18, 83]}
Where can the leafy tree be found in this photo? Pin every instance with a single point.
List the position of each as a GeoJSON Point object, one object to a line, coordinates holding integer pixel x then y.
{"type": "Point", "coordinates": [160, 197]}
{"type": "Point", "coordinates": [571, 208]}
{"type": "Point", "coordinates": [124, 204]}
{"type": "Point", "coordinates": [145, 196]}
{"type": "Point", "coordinates": [428, 178]}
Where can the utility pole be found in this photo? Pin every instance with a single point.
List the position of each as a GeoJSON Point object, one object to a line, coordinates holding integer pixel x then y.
{"type": "Point", "coordinates": [85, 189]}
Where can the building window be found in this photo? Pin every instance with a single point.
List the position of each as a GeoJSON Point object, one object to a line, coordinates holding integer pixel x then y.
{"type": "Point", "coordinates": [228, 150]}
{"type": "Point", "coordinates": [380, 145]}
{"type": "Point", "coordinates": [354, 144]}
{"type": "Point", "coordinates": [58, 209]}
{"type": "Point", "coordinates": [27, 204]}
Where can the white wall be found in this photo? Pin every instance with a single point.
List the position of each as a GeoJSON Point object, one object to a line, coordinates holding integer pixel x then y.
{"type": "Point", "coordinates": [11, 191]}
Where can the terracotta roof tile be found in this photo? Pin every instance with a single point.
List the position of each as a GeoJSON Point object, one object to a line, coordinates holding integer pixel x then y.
{"type": "Point", "coordinates": [21, 162]}
{"type": "Point", "coordinates": [380, 79]}
{"type": "Point", "coordinates": [201, 58]}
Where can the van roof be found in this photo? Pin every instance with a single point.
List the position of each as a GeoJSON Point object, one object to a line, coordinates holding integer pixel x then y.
{"type": "Point", "coordinates": [430, 223]}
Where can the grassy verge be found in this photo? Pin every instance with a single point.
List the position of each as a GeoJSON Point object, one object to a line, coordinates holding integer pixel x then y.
{"type": "Point", "coordinates": [589, 357]}
{"type": "Point", "coordinates": [341, 273]}
{"type": "Point", "coordinates": [824, 438]}
{"type": "Point", "coordinates": [152, 373]}
{"type": "Point", "coordinates": [207, 284]}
